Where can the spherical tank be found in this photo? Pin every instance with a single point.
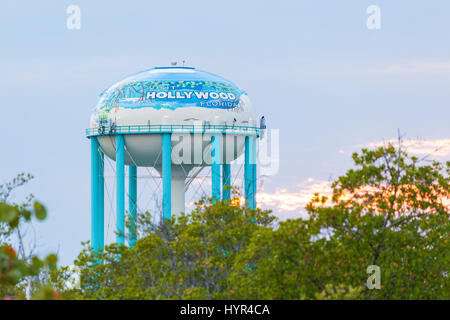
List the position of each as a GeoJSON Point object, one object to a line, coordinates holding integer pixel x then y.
{"type": "Point", "coordinates": [178, 96]}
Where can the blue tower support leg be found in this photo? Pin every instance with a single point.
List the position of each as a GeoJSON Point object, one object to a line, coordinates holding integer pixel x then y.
{"type": "Point", "coordinates": [132, 203]}
{"type": "Point", "coordinates": [226, 181]}
{"type": "Point", "coordinates": [254, 184]}
{"type": "Point", "coordinates": [101, 212]}
{"type": "Point", "coordinates": [250, 171]}
{"type": "Point", "coordinates": [166, 175]}
{"type": "Point", "coordinates": [95, 194]}
{"type": "Point", "coordinates": [247, 169]}
{"type": "Point", "coordinates": [254, 172]}
{"type": "Point", "coordinates": [215, 166]}
{"type": "Point", "coordinates": [120, 189]}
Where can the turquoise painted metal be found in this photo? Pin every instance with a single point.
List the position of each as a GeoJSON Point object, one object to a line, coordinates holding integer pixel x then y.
{"type": "Point", "coordinates": [97, 175]}
{"type": "Point", "coordinates": [254, 184]}
{"type": "Point", "coordinates": [120, 188]}
{"type": "Point", "coordinates": [132, 203]}
{"type": "Point", "coordinates": [216, 156]}
{"type": "Point", "coordinates": [101, 202]}
{"type": "Point", "coordinates": [148, 129]}
{"type": "Point", "coordinates": [246, 169]}
{"type": "Point", "coordinates": [250, 171]}
{"type": "Point", "coordinates": [94, 191]}
{"type": "Point", "coordinates": [166, 175]}
{"type": "Point", "coordinates": [226, 181]}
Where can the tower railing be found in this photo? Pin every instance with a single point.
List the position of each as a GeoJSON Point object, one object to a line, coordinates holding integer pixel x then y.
{"type": "Point", "coordinates": [103, 130]}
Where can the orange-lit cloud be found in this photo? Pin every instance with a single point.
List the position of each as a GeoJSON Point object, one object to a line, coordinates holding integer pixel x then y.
{"type": "Point", "coordinates": [291, 202]}
{"type": "Point", "coordinates": [287, 203]}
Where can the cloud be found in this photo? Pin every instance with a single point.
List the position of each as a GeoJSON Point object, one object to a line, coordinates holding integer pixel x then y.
{"type": "Point", "coordinates": [291, 202]}
{"type": "Point", "coordinates": [435, 148]}
{"type": "Point", "coordinates": [285, 202]}
{"type": "Point", "coordinates": [412, 67]}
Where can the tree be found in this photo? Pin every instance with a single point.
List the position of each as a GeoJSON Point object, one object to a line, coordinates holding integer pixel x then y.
{"type": "Point", "coordinates": [15, 268]}
{"type": "Point", "coordinates": [390, 211]}
{"type": "Point", "coordinates": [190, 257]}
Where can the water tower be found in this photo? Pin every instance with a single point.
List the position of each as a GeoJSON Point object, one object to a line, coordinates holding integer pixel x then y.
{"type": "Point", "coordinates": [174, 119]}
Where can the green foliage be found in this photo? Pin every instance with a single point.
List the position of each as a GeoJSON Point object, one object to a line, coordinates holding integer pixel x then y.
{"type": "Point", "coordinates": [13, 268]}
{"type": "Point", "coordinates": [338, 293]}
{"type": "Point", "coordinates": [389, 211]}
{"type": "Point", "coordinates": [9, 219]}
{"type": "Point", "coordinates": [190, 257]}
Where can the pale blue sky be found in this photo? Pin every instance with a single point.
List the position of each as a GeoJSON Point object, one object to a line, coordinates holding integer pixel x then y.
{"type": "Point", "coordinates": [311, 67]}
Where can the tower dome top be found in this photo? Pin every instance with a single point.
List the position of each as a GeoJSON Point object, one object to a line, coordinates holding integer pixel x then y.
{"type": "Point", "coordinates": [170, 88]}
